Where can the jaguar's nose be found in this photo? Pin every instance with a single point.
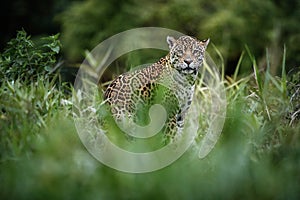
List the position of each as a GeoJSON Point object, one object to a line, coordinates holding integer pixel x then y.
{"type": "Point", "coordinates": [188, 61]}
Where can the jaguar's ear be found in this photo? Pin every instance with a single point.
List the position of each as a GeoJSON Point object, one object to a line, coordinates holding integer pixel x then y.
{"type": "Point", "coordinates": [205, 42]}
{"type": "Point", "coordinates": [171, 41]}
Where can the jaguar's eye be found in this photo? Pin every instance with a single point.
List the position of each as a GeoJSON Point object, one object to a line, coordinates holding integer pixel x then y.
{"type": "Point", "coordinates": [195, 51]}
{"type": "Point", "coordinates": [179, 52]}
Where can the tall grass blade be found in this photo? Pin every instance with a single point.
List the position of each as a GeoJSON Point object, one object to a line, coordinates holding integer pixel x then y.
{"type": "Point", "coordinates": [268, 76]}
{"type": "Point", "coordinates": [237, 69]}
{"type": "Point", "coordinates": [258, 77]}
{"type": "Point", "coordinates": [222, 61]}
{"type": "Point", "coordinates": [283, 74]}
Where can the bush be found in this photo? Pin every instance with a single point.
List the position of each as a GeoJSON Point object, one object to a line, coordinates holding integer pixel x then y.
{"type": "Point", "coordinates": [30, 92]}
{"type": "Point", "coordinates": [22, 59]}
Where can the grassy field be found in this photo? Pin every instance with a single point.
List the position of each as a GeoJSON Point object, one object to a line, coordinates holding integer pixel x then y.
{"type": "Point", "coordinates": [257, 155]}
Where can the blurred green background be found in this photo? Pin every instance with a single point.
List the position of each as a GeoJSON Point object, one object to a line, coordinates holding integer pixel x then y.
{"type": "Point", "coordinates": [230, 24]}
{"type": "Point", "coordinates": [258, 153]}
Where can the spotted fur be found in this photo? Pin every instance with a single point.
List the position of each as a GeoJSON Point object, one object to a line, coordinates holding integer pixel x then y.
{"type": "Point", "coordinates": [173, 77]}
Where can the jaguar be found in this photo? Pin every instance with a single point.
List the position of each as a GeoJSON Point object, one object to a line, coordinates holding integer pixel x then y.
{"type": "Point", "coordinates": [169, 82]}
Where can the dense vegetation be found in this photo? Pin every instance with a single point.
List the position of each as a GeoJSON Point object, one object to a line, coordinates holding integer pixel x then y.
{"type": "Point", "coordinates": [230, 25]}
{"type": "Point", "coordinates": [41, 156]}
{"type": "Point", "coordinates": [255, 45]}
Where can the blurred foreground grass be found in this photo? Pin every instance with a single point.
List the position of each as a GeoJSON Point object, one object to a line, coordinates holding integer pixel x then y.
{"type": "Point", "coordinates": [60, 168]}
{"type": "Point", "coordinates": [257, 155]}
{"type": "Point", "coordinates": [254, 158]}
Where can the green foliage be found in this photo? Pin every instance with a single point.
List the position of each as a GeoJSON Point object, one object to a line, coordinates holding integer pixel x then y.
{"type": "Point", "coordinates": [24, 60]}
{"type": "Point", "coordinates": [42, 158]}
{"type": "Point", "coordinates": [30, 91]}
{"type": "Point", "coordinates": [87, 23]}
{"type": "Point", "coordinates": [230, 25]}
{"type": "Point", "coordinates": [249, 155]}
{"type": "Point", "coordinates": [293, 89]}
{"type": "Point", "coordinates": [25, 110]}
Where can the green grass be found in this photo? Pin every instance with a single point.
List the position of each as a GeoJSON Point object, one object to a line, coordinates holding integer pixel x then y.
{"type": "Point", "coordinates": [257, 155]}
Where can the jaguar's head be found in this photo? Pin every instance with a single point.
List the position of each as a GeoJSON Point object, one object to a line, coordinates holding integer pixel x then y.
{"type": "Point", "coordinates": [187, 53]}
